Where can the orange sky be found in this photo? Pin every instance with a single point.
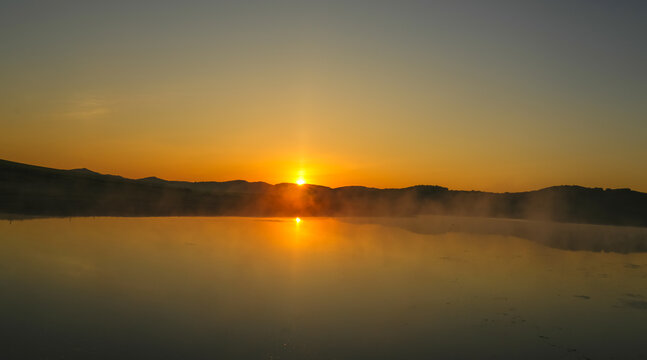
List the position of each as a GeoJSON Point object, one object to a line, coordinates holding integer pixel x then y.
{"type": "Point", "coordinates": [503, 97]}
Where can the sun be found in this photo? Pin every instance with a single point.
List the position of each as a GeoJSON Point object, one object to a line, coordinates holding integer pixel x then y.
{"type": "Point", "coordinates": [301, 181]}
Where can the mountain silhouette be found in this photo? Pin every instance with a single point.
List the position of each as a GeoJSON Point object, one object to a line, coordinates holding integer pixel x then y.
{"type": "Point", "coordinates": [39, 191]}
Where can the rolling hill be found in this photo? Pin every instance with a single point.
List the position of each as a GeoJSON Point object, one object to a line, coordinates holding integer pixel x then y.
{"type": "Point", "coordinates": [40, 191]}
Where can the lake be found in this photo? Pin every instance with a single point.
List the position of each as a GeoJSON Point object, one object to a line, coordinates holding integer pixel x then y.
{"type": "Point", "coordinates": [321, 288]}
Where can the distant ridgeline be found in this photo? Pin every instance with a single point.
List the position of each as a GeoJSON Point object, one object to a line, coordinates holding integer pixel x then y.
{"type": "Point", "coordinates": [33, 190]}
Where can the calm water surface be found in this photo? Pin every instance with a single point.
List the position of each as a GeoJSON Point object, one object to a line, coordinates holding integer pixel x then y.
{"type": "Point", "coordinates": [246, 288]}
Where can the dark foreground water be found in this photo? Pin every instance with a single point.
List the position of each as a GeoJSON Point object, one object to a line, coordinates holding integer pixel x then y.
{"type": "Point", "coordinates": [245, 288]}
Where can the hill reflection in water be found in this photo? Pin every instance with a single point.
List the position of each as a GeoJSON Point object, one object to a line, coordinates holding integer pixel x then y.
{"type": "Point", "coordinates": [556, 235]}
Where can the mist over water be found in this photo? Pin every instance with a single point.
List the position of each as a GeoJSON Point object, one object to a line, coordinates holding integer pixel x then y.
{"type": "Point", "coordinates": [566, 236]}
{"type": "Point", "coordinates": [321, 288]}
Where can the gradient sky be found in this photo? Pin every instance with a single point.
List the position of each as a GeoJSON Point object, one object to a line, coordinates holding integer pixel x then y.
{"type": "Point", "coordinates": [488, 95]}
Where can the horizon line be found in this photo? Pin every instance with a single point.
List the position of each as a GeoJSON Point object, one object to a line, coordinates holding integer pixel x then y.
{"type": "Point", "coordinates": [333, 188]}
